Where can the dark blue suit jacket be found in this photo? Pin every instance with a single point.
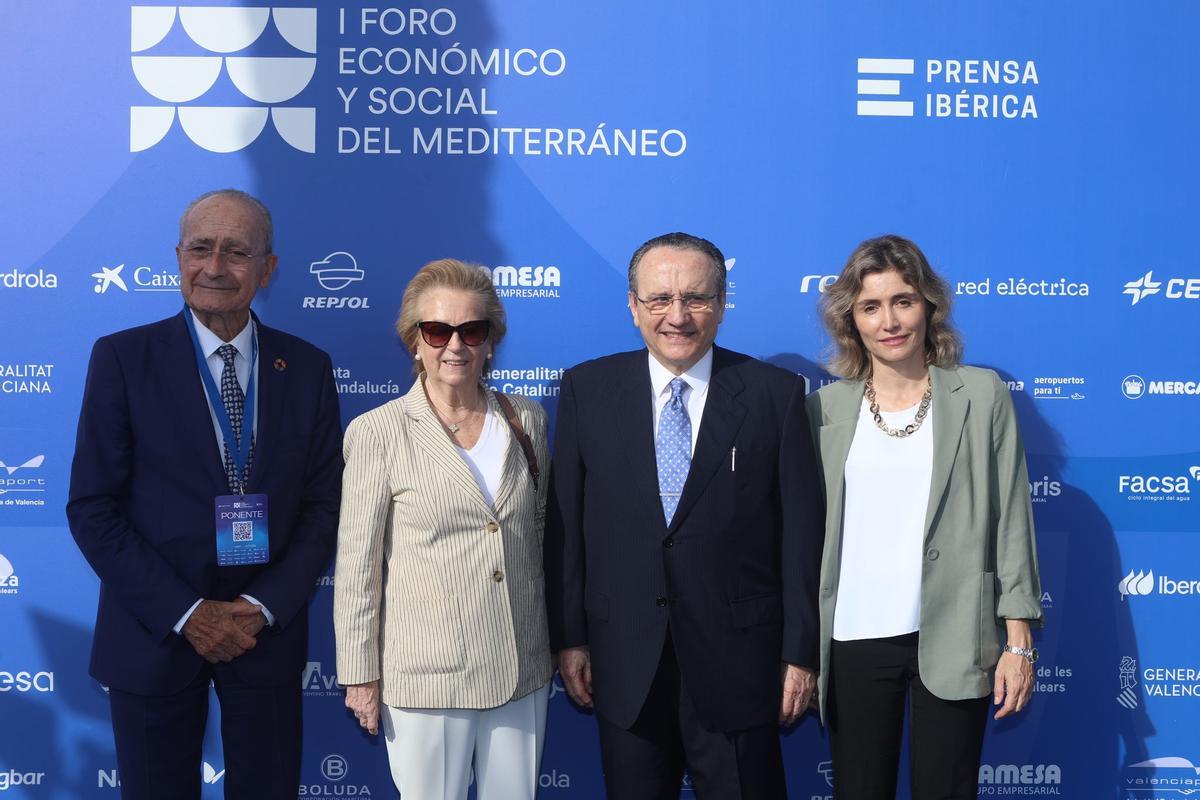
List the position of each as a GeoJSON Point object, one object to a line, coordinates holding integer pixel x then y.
{"type": "Point", "coordinates": [147, 467]}
{"type": "Point", "coordinates": [735, 575]}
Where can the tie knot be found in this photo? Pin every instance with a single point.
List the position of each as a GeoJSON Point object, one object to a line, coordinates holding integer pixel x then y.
{"type": "Point", "coordinates": [677, 387]}
{"type": "Point", "coordinates": [227, 353]}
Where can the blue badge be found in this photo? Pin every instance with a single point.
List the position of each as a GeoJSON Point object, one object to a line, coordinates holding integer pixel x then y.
{"type": "Point", "coordinates": [242, 536]}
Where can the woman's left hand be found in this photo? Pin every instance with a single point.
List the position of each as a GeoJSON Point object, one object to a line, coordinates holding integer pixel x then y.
{"type": "Point", "coordinates": [1014, 684]}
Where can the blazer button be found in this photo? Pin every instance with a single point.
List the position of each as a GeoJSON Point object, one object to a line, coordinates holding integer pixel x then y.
{"type": "Point", "coordinates": [669, 543]}
{"type": "Point", "coordinates": [660, 601]}
{"type": "Point", "coordinates": [497, 576]}
{"type": "Point", "coordinates": [932, 554]}
{"type": "Point", "coordinates": [492, 527]}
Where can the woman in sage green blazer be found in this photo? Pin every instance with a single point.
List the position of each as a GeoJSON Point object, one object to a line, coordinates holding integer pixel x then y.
{"type": "Point", "coordinates": [929, 548]}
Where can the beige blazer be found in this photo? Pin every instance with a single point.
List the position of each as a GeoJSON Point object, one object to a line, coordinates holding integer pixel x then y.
{"type": "Point", "coordinates": [980, 564]}
{"type": "Point", "coordinates": [438, 595]}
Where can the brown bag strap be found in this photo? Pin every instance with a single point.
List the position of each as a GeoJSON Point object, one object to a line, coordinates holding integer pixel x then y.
{"type": "Point", "coordinates": [514, 422]}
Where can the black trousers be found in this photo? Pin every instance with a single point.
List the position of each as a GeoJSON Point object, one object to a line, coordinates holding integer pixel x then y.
{"type": "Point", "coordinates": [159, 739]}
{"type": "Point", "coordinates": [869, 682]}
{"type": "Point", "coordinates": [647, 761]}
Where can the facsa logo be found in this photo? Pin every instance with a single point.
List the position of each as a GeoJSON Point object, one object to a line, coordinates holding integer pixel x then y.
{"type": "Point", "coordinates": [1174, 488]}
{"type": "Point", "coordinates": [1176, 288]}
{"type": "Point", "coordinates": [335, 272]}
{"type": "Point", "coordinates": [28, 280]}
{"type": "Point", "coordinates": [209, 774]}
{"type": "Point", "coordinates": [23, 682]}
{"type": "Point", "coordinates": [10, 582]}
{"type": "Point", "coordinates": [145, 279]}
{"type": "Point", "coordinates": [12, 778]}
{"type": "Point", "coordinates": [179, 80]}
{"type": "Point", "coordinates": [1127, 674]}
{"type": "Point", "coordinates": [314, 683]}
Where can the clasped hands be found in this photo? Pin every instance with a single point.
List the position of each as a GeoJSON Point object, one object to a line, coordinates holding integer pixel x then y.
{"type": "Point", "coordinates": [221, 631]}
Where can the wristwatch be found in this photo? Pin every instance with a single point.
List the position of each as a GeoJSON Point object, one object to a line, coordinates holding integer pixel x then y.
{"type": "Point", "coordinates": [1030, 655]}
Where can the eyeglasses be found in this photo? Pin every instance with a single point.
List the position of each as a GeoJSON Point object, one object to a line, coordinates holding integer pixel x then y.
{"type": "Point", "coordinates": [234, 257]}
{"type": "Point", "coordinates": [439, 334]}
{"type": "Point", "coordinates": [693, 302]}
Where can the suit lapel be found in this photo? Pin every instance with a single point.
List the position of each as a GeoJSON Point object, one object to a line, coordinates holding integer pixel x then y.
{"type": "Point", "coordinates": [722, 419]}
{"type": "Point", "coordinates": [272, 386]}
{"type": "Point", "coordinates": [633, 423]}
{"type": "Point", "coordinates": [429, 435]}
{"type": "Point", "coordinates": [950, 404]}
{"type": "Point", "coordinates": [838, 422]}
{"type": "Point", "coordinates": [512, 471]}
{"type": "Point", "coordinates": [176, 362]}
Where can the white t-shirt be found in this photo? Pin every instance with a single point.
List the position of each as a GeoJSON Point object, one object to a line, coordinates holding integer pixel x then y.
{"type": "Point", "coordinates": [486, 458]}
{"type": "Point", "coordinates": [883, 528]}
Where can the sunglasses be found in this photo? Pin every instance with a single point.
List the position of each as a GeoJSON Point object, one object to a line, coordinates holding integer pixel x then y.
{"type": "Point", "coordinates": [439, 334]}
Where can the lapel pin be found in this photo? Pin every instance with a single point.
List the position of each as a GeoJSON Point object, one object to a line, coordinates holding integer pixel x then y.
{"type": "Point", "coordinates": [280, 365]}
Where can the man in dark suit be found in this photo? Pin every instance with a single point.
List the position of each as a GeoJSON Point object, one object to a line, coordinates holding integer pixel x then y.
{"type": "Point", "coordinates": [683, 542]}
{"type": "Point", "coordinates": [164, 461]}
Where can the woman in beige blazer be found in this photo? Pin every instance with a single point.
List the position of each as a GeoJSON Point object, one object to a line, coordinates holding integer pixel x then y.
{"type": "Point", "coordinates": [439, 609]}
{"type": "Point", "coordinates": [929, 545]}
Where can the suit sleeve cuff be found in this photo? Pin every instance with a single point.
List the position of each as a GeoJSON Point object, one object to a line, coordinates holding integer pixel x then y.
{"type": "Point", "coordinates": [270, 617]}
{"type": "Point", "coordinates": [187, 615]}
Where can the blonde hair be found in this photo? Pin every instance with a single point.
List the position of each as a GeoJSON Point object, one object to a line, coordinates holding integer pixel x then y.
{"type": "Point", "coordinates": [849, 357]}
{"type": "Point", "coordinates": [448, 273]}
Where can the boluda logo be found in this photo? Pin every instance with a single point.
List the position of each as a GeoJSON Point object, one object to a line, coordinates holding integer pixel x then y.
{"type": "Point", "coordinates": [1172, 288]}
{"type": "Point", "coordinates": [28, 280]}
{"type": "Point", "coordinates": [10, 582]}
{"type": "Point", "coordinates": [335, 769]}
{"type": "Point", "coordinates": [335, 272]}
{"type": "Point", "coordinates": [970, 88]}
{"type": "Point", "coordinates": [178, 80]}
{"type": "Point", "coordinates": [526, 281]}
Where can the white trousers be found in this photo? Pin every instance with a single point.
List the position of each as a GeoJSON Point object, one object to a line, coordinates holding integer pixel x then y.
{"type": "Point", "coordinates": [430, 750]}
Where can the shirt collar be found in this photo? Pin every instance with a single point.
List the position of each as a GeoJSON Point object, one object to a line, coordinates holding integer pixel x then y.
{"type": "Point", "coordinates": [210, 342]}
{"type": "Point", "coordinates": [697, 377]}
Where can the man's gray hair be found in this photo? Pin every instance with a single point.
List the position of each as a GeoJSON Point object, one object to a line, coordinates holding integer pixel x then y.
{"type": "Point", "coordinates": [265, 224]}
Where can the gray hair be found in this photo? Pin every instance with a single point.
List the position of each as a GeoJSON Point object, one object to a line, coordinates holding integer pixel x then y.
{"type": "Point", "coordinates": [256, 205]}
{"type": "Point", "coordinates": [682, 241]}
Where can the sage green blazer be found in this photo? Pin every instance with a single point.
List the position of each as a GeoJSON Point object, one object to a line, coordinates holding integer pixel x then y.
{"type": "Point", "coordinates": [980, 565]}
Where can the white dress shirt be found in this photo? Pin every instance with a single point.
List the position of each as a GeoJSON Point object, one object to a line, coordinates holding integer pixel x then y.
{"type": "Point", "coordinates": [486, 458]}
{"type": "Point", "coordinates": [209, 344]}
{"type": "Point", "coordinates": [697, 379]}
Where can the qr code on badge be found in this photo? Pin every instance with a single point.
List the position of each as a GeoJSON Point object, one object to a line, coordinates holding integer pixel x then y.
{"type": "Point", "coordinates": [243, 531]}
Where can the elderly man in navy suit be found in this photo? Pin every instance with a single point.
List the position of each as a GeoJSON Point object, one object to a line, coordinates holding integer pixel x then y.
{"type": "Point", "coordinates": [204, 493]}
{"type": "Point", "coordinates": [683, 542]}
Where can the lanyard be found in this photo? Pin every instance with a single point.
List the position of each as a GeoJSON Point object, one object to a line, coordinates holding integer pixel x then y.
{"type": "Point", "coordinates": [239, 450]}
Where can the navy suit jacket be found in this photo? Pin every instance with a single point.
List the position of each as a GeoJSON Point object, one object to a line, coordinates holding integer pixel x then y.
{"type": "Point", "coordinates": [735, 574]}
{"type": "Point", "coordinates": [147, 467]}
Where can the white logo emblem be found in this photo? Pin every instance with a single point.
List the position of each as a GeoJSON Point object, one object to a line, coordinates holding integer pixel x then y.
{"type": "Point", "coordinates": [826, 770]}
{"type": "Point", "coordinates": [107, 277]}
{"type": "Point", "coordinates": [32, 463]}
{"type": "Point", "coordinates": [334, 767]}
{"type": "Point", "coordinates": [337, 271]}
{"type": "Point", "coordinates": [178, 80]}
{"type": "Point", "coordinates": [1140, 583]}
{"type": "Point", "coordinates": [885, 87]}
{"type": "Point", "coordinates": [1133, 387]}
{"type": "Point", "coordinates": [1127, 673]}
{"type": "Point", "coordinates": [1142, 287]}
{"type": "Point", "coordinates": [210, 774]}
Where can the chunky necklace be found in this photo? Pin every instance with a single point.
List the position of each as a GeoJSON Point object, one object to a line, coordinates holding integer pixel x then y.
{"type": "Point", "coordinates": [910, 428]}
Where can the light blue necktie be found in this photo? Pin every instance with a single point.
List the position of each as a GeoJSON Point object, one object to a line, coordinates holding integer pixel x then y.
{"type": "Point", "coordinates": [673, 448]}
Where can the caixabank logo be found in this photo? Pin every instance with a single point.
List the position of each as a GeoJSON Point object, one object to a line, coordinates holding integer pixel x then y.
{"type": "Point", "coordinates": [180, 80]}
{"type": "Point", "coordinates": [948, 88]}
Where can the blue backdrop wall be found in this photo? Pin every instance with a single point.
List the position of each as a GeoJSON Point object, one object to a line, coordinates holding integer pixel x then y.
{"type": "Point", "coordinates": [1042, 154]}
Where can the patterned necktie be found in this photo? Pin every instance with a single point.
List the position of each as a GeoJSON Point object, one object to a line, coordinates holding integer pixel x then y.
{"type": "Point", "coordinates": [235, 402]}
{"type": "Point", "coordinates": [673, 448]}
